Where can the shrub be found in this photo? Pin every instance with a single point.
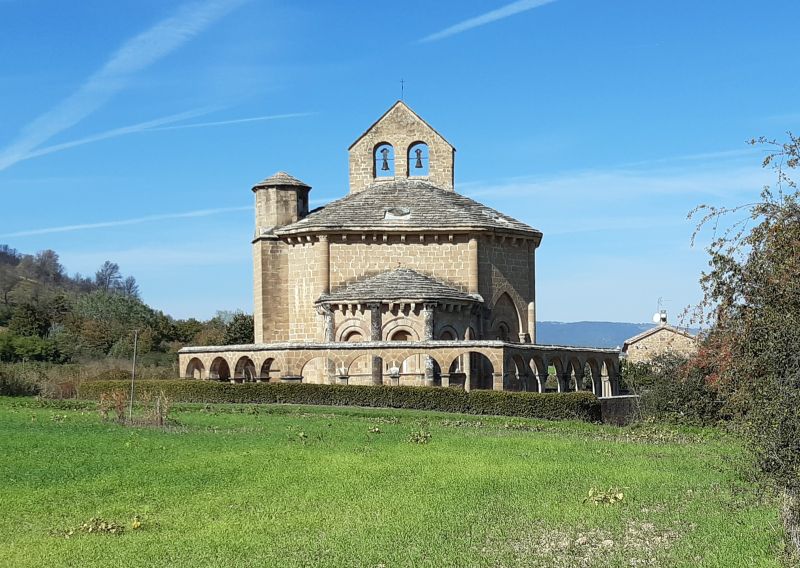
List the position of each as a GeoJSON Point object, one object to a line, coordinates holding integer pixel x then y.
{"type": "Point", "coordinates": [554, 406]}
{"type": "Point", "coordinates": [673, 389]}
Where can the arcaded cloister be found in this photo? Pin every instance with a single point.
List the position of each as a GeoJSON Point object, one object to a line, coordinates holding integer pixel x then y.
{"type": "Point", "coordinates": [403, 281]}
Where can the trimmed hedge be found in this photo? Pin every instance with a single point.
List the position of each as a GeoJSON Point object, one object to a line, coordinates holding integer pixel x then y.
{"type": "Point", "coordinates": [551, 406]}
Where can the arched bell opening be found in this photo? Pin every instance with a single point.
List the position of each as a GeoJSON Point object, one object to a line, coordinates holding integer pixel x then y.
{"type": "Point", "coordinates": [383, 161]}
{"type": "Point", "coordinates": [418, 160]}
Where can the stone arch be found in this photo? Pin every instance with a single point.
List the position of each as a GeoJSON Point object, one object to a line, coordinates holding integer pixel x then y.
{"type": "Point", "coordinates": [469, 334]}
{"type": "Point", "coordinates": [447, 333]}
{"type": "Point", "coordinates": [556, 378]}
{"type": "Point", "coordinates": [418, 163]}
{"type": "Point", "coordinates": [348, 326]}
{"type": "Point", "coordinates": [400, 332]}
{"type": "Point", "coordinates": [195, 369]}
{"type": "Point", "coordinates": [413, 369]}
{"type": "Point", "coordinates": [219, 369]}
{"type": "Point", "coordinates": [609, 377]}
{"type": "Point", "coordinates": [574, 374]}
{"type": "Point", "coordinates": [270, 369]}
{"type": "Point", "coordinates": [359, 369]}
{"type": "Point", "coordinates": [383, 161]}
{"type": "Point", "coordinates": [505, 323]}
{"type": "Point", "coordinates": [539, 368]}
{"type": "Point", "coordinates": [354, 335]}
{"type": "Point", "coordinates": [519, 376]}
{"type": "Point", "coordinates": [593, 375]}
{"type": "Point", "coordinates": [479, 374]}
{"type": "Point", "coordinates": [318, 370]}
{"type": "Point", "coordinates": [245, 370]}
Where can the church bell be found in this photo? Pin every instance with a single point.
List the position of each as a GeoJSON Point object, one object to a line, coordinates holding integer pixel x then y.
{"type": "Point", "coordinates": [385, 164]}
{"type": "Point", "coordinates": [418, 163]}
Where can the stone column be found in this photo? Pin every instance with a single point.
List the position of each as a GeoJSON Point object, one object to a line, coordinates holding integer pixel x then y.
{"type": "Point", "coordinates": [532, 294]}
{"type": "Point", "coordinates": [327, 314]}
{"type": "Point", "coordinates": [324, 264]}
{"type": "Point", "coordinates": [376, 335]}
{"type": "Point", "coordinates": [497, 381]}
{"type": "Point", "coordinates": [472, 270]}
{"type": "Point", "coordinates": [532, 321]}
{"type": "Point", "coordinates": [563, 381]}
{"type": "Point", "coordinates": [542, 379]}
{"type": "Point", "coordinates": [579, 375]}
{"type": "Point", "coordinates": [428, 309]}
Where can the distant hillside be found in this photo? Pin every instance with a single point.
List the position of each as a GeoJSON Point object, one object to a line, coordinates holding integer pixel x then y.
{"type": "Point", "coordinates": [587, 333]}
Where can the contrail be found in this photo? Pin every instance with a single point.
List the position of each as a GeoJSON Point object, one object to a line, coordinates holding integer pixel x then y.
{"type": "Point", "coordinates": [487, 18]}
{"type": "Point", "coordinates": [123, 222]}
{"type": "Point", "coordinates": [154, 126]}
{"type": "Point", "coordinates": [135, 55]}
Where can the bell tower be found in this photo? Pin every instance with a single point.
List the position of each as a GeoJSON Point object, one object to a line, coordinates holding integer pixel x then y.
{"type": "Point", "coordinates": [401, 145]}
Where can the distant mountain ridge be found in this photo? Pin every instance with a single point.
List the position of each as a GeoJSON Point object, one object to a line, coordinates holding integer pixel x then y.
{"type": "Point", "coordinates": [587, 333]}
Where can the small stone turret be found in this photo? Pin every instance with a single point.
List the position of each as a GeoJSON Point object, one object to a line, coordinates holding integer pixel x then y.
{"type": "Point", "coordinates": [280, 200]}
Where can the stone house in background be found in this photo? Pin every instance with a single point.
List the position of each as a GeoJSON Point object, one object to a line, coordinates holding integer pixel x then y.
{"type": "Point", "coordinates": [663, 338]}
{"type": "Point", "coordinates": [402, 281]}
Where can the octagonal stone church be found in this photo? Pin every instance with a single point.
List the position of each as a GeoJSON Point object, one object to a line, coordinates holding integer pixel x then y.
{"type": "Point", "coordinates": [403, 281]}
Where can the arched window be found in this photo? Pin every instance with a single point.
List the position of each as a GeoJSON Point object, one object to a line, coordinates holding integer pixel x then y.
{"type": "Point", "coordinates": [383, 161]}
{"type": "Point", "coordinates": [418, 160]}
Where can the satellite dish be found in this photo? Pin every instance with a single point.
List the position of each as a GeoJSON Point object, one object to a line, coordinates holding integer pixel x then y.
{"type": "Point", "coordinates": [657, 317]}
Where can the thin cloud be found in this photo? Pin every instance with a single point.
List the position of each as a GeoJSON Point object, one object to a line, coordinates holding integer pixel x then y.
{"type": "Point", "coordinates": [155, 125]}
{"type": "Point", "coordinates": [136, 54]}
{"type": "Point", "coordinates": [234, 121]}
{"type": "Point", "coordinates": [500, 13]}
{"type": "Point", "coordinates": [132, 129]}
{"type": "Point", "coordinates": [124, 222]}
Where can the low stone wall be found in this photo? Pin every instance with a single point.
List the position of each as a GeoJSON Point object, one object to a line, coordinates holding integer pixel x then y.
{"type": "Point", "coordinates": [619, 410]}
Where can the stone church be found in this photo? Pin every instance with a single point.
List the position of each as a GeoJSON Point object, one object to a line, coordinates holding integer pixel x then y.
{"type": "Point", "coordinates": [401, 281]}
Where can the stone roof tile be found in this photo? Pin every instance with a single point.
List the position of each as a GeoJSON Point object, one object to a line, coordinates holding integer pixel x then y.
{"type": "Point", "coordinates": [280, 179]}
{"type": "Point", "coordinates": [398, 284]}
{"type": "Point", "coordinates": [405, 204]}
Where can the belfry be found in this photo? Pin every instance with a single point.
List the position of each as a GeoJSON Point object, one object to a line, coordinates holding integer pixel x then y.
{"type": "Point", "coordinates": [403, 281]}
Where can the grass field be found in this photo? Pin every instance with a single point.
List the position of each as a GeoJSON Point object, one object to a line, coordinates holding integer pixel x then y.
{"type": "Point", "coordinates": [303, 486]}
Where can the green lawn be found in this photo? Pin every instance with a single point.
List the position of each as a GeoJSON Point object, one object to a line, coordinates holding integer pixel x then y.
{"type": "Point", "coordinates": [304, 486]}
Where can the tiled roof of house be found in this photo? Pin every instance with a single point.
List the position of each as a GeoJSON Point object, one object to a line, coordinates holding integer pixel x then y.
{"type": "Point", "coordinates": [399, 284]}
{"type": "Point", "coordinates": [654, 330]}
{"type": "Point", "coordinates": [405, 204]}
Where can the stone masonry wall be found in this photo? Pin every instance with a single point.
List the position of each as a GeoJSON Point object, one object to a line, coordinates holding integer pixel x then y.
{"type": "Point", "coordinates": [270, 270]}
{"type": "Point", "coordinates": [660, 342]}
{"type": "Point", "coordinates": [303, 291]}
{"type": "Point", "coordinates": [506, 266]}
{"type": "Point", "coordinates": [443, 260]}
{"type": "Point", "coordinates": [401, 128]}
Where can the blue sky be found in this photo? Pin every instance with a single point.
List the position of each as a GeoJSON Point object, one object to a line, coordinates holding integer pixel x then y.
{"type": "Point", "coordinates": [133, 130]}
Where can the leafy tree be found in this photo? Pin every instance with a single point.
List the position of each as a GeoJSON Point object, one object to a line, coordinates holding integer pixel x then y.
{"type": "Point", "coordinates": [47, 267]}
{"type": "Point", "coordinates": [29, 320]}
{"type": "Point", "coordinates": [108, 276]}
{"type": "Point", "coordinates": [186, 331]}
{"type": "Point", "coordinates": [239, 330]}
{"type": "Point", "coordinates": [752, 298]}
